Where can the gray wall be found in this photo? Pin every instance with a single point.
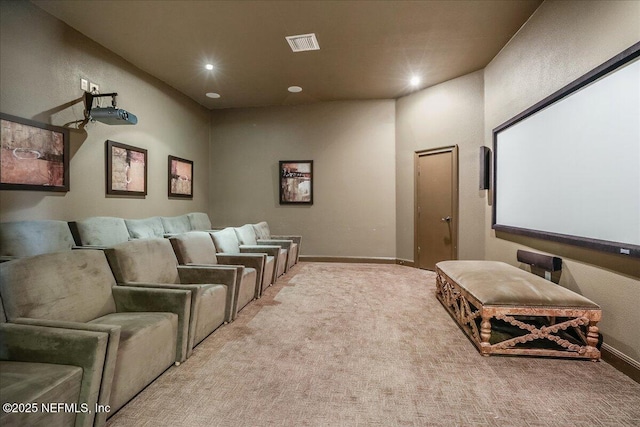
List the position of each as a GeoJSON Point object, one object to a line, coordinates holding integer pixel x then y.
{"type": "Point", "coordinates": [352, 145]}
{"type": "Point", "coordinates": [41, 63]}
{"type": "Point", "coordinates": [447, 114]}
{"type": "Point", "coordinates": [561, 42]}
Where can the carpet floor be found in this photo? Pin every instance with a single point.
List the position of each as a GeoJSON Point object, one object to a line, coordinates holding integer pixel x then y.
{"type": "Point", "coordinates": [370, 345]}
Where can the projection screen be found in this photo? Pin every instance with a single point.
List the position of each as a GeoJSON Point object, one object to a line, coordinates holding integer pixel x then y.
{"type": "Point", "coordinates": [568, 168]}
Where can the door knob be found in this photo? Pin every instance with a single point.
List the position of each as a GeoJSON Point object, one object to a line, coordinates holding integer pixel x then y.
{"type": "Point", "coordinates": [447, 219]}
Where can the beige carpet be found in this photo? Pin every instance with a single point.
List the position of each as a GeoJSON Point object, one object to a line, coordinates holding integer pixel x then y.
{"type": "Point", "coordinates": [369, 345]}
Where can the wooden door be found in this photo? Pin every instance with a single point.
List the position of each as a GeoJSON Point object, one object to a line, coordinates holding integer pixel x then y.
{"type": "Point", "coordinates": [436, 216]}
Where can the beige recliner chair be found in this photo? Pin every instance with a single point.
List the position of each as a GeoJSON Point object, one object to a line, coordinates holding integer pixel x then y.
{"type": "Point", "coordinates": [37, 367]}
{"type": "Point", "coordinates": [151, 263]}
{"type": "Point", "coordinates": [196, 248]}
{"type": "Point", "coordinates": [147, 328]}
{"type": "Point", "coordinates": [264, 234]}
{"type": "Point", "coordinates": [247, 237]}
{"type": "Point", "coordinates": [226, 243]}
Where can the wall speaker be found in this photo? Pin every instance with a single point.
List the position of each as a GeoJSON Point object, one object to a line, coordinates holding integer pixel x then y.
{"type": "Point", "coordinates": [485, 167]}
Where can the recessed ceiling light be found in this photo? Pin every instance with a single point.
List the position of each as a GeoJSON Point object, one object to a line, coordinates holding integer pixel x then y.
{"type": "Point", "coordinates": [213, 95]}
{"type": "Point", "coordinates": [209, 66]}
{"type": "Point", "coordinates": [294, 89]}
{"type": "Point", "coordinates": [415, 81]}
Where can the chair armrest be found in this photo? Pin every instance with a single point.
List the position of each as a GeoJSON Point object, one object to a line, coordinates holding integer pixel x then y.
{"type": "Point", "coordinates": [213, 274]}
{"type": "Point", "coordinates": [296, 239]}
{"type": "Point", "coordinates": [178, 301]}
{"type": "Point", "coordinates": [267, 249]}
{"type": "Point", "coordinates": [285, 244]}
{"type": "Point", "coordinates": [43, 344]}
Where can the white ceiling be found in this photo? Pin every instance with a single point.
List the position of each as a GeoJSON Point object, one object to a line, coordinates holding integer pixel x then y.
{"type": "Point", "coordinates": [368, 49]}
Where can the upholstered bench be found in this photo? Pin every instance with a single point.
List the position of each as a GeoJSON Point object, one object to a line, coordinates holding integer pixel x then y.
{"type": "Point", "coordinates": [505, 310]}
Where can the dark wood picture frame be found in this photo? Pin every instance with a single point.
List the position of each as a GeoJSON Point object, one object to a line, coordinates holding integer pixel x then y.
{"type": "Point", "coordinates": [126, 168]}
{"type": "Point", "coordinates": [34, 155]}
{"type": "Point", "coordinates": [296, 182]}
{"type": "Point", "coordinates": [180, 183]}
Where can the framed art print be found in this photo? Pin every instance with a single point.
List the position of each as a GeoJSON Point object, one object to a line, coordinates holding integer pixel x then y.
{"type": "Point", "coordinates": [296, 182]}
{"type": "Point", "coordinates": [33, 155]}
{"type": "Point", "coordinates": [126, 170]}
{"type": "Point", "coordinates": [180, 177]}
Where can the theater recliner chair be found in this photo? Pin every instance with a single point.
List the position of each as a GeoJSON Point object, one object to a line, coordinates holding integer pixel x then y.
{"type": "Point", "coordinates": [264, 234]}
{"type": "Point", "coordinates": [196, 248]}
{"type": "Point", "coordinates": [247, 237]}
{"type": "Point", "coordinates": [37, 366]}
{"type": "Point", "coordinates": [147, 328]}
{"type": "Point", "coordinates": [226, 243]}
{"type": "Point", "coordinates": [175, 225]}
{"type": "Point", "coordinates": [146, 228]}
{"type": "Point", "coordinates": [151, 263]}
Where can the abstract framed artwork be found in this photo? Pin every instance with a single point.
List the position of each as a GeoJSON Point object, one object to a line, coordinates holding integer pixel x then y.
{"type": "Point", "coordinates": [296, 182]}
{"type": "Point", "coordinates": [126, 169]}
{"type": "Point", "coordinates": [34, 156]}
{"type": "Point", "coordinates": [180, 178]}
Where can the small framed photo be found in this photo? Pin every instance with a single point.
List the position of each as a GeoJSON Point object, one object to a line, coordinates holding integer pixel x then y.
{"type": "Point", "coordinates": [180, 178]}
{"type": "Point", "coordinates": [126, 170]}
{"type": "Point", "coordinates": [296, 182]}
{"type": "Point", "coordinates": [33, 156]}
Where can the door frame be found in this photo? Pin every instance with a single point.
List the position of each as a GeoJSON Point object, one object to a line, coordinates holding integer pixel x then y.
{"type": "Point", "coordinates": [454, 197]}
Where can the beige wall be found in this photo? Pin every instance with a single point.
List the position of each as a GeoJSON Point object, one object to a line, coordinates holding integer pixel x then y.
{"type": "Point", "coordinates": [450, 113]}
{"type": "Point", "coordinates": [561, 42]}
{"type": "Point", "coordinates": [41, 62]}
{"type": "Point", "coordinates": [352, 146]}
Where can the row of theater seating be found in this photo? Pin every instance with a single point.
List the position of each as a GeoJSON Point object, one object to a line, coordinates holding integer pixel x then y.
{"type": "Point", "coordinates": [95, 326]}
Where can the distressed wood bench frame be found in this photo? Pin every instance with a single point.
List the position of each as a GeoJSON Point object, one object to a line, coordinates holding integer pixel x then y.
{"type": "Point", "coordinates": [465, 308]}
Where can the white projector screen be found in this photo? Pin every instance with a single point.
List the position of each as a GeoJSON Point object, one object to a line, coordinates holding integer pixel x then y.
{"type": "Point", "coordinates": [568, 168]}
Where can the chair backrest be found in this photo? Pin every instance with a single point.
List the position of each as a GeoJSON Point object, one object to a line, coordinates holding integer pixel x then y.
{"type": "Point", "coordinates": [144, 260]}
{"type": "Point", "coordinates": [147, 228]}
{"type": "Point", "coordinates": [199, 221]}
{"type": "Point", "coordinates": [28, 238]}
{"type": "Point", "coordinates": [175, 224]}
{"type": "Point", "coordinates": [72, 286]}
{"type": "Point", "coordinates": [226, 241]}
{"type": "Point", "coordinates": [262, 230]}
{"type": "Point", "coordinates": [100, 231]}
{"type": "Point", "coordinates": [246, 235]}
{"type": "Point", "coordinates": [195, 247]}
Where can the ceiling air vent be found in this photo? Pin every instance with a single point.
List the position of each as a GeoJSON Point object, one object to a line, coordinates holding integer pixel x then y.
{"type": "Point", "coordinates": [303, 42]}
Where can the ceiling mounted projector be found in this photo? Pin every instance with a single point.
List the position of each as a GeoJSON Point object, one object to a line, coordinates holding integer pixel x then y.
{"type": "Point", "coordinates": [113, 116]}
{"type": "Point", "coordinates": [107, 115]}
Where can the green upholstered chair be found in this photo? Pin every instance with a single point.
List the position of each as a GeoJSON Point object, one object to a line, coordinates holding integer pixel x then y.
{"type": "Point", "coordinates": [20, 239]}
{"type": "Point", "coordinates": [147, 328]}
{"type": "Point", "coordinates": [247, 237]}
{"type": "Point", "coordinates": [226, 243]}
{"type": "Point", "coordinates": [151, 263]}
{"type": "Point", "coordinates": [99, 231]}
{"type": "Point", "coordinates": [196, 248]}
{"type": "Point", "coordinates": [43, 365]}
{"type": "Point", "coordinates": [263, 233]}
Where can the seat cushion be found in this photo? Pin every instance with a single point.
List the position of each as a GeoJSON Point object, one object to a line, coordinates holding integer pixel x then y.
{"type": "Point", "coordinates": [246, 235]}
{"type": "Point", "coordinates": [144, 260]}
{"type": "Point", "coordinates": [101, 231]}
{"type": "Point", "coordinates": [498, 283]}
{"type": "Point", "coordinates": [199, 221]}
{"type": "Point", "coordinates": [72, 285]}
{"type": "Point", "coordinates": [147, 228]}
{"type": "Point", "coordinates": [226, 241]}
{"type": "Point", "coordinates": [195, 247]}
{"type": "Point", "coordinates": [22, 382]}
{"type": "Point", "coordinates": [175, 224]}
{"type": "Point", "coordinates": [147, 348]}
{"type": "Point", "coordinates": [29, 238]}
